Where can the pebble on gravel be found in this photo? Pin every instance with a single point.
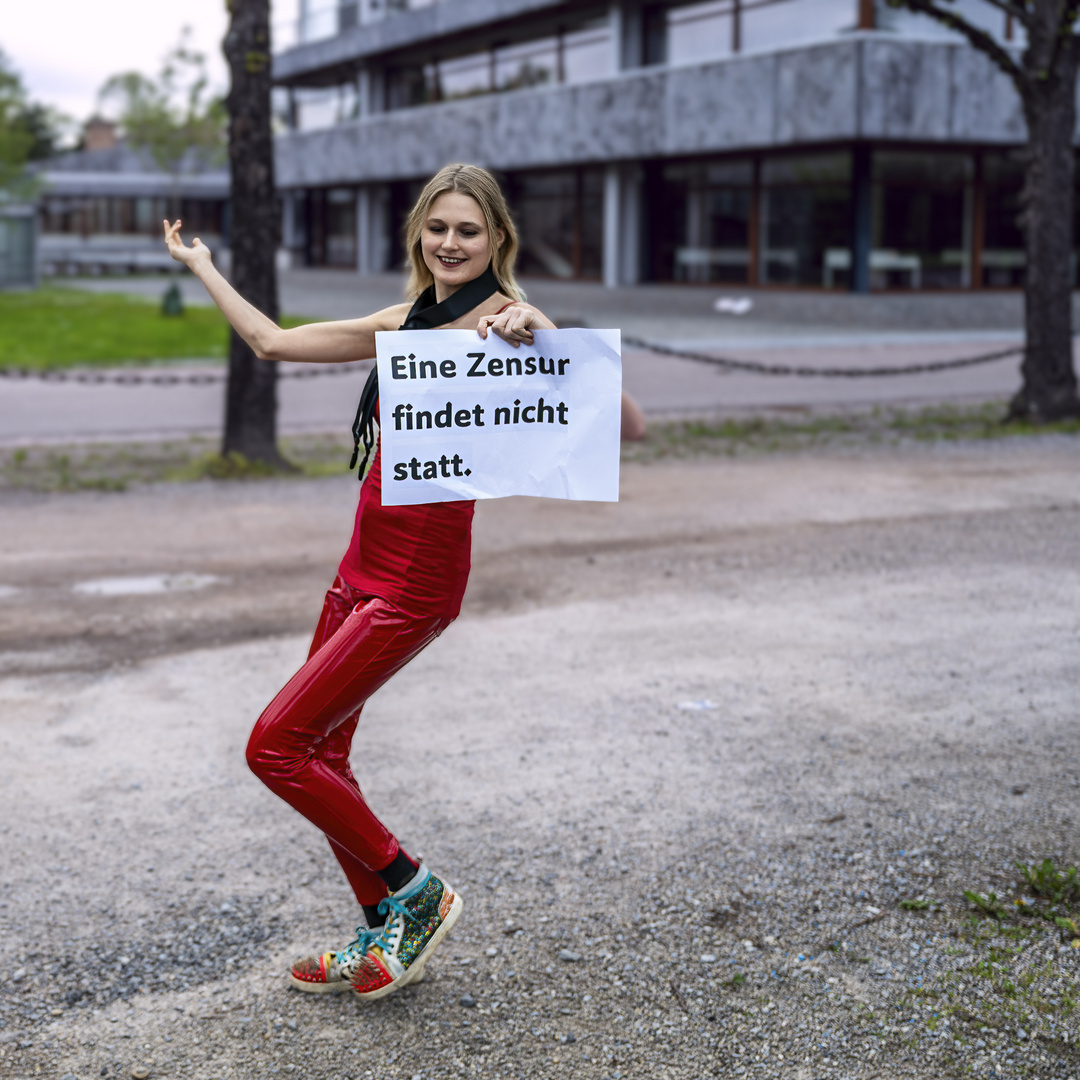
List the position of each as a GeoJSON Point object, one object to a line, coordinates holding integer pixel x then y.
{"type": "Point", "coordinates": [468, 1001]}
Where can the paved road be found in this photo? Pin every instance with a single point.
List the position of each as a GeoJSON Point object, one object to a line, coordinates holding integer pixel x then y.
{"type": "Point", "coordinates": [778, 329]}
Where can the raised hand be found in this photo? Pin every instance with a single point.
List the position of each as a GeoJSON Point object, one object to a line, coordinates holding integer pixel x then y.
{"type": "Point", "coordinates": [192, 256]}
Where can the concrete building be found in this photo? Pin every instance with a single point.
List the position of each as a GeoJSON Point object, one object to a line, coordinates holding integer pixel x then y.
{"type": "Point", "coordinates": [817, 143]}
{"type": "Point", "coordinates": [101, 208]}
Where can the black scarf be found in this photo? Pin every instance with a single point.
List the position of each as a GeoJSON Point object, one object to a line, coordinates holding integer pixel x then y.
{"type": "Point", "coordinates": [425, 314]}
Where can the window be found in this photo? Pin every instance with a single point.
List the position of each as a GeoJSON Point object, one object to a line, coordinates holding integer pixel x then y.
{"type": "Point", "coordinates": [805, 236]}
{"type": "Point", "coordinates": [323, 107]}
{"type": "Point", "coordinates": [412, 84]}
{"type": "Point", "coordinates": [587, 51]}
{"type": "Point", "coordinates": [1003, 256]}
{"type": "Point", "coordinates": [341, 227]}
{"type": "Point", "coordinates": [701, 31]}
{"type": "Point", "coordinates": [701, 222]}
{"type": "Point", "coordinates": [922, 220]}
{"type": "Point", "coordinates": [559, 216]}
{"type": "Point", "coordinates": [771, 24]}
{"type": "Point", "coordinates": [465, 77]}
{"type": "Point", "coordinates": [979, 13]}
{"type": "Point", "coordinates": [534, 63]}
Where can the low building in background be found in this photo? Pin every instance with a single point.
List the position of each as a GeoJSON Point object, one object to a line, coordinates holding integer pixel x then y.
{"type": "Point", "coordinates": [833, 144]}
{"type": "Point", "coordinates": [101, 208]}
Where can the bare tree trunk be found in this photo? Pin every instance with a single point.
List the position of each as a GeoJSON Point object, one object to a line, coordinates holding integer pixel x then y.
{"type": "Point", "coordinates": [1049, 99]}
{"type": "Point", "coordinates": [251, 393]}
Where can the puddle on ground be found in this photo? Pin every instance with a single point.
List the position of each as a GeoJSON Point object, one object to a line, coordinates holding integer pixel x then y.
{"type": "Point", "coordinates": [145, 584]}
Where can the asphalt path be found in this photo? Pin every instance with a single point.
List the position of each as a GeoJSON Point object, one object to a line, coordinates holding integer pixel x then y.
{"type": "Point", "coordinates": [829, 335]}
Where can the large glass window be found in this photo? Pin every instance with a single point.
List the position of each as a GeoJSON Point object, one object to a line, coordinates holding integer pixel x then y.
{"type": "Point", "coordinates": [771, 24]}
{"type": "Point", "coordinates": [922, 220]}
{"type": "Point", "coordinates": [1003, 255]}
{"type": "Point", "coordinates": [579, 52]}
{"type": "Point", "coordinates": [410, 84]}
{"type": "Point", "coordinates": [324, 226]}
{"type": "Point", "coordinates": [465, 76]}
{"type": "Point", "coordinates": [559, 215]}
{"type": "Point", "coordinates": [587, 51]}
{"type": "Point", "coordinates": [979, 13]}
{"type": "Point", "coordinates": [341, 227]}
{"type": "Point", "coordinates": [148, 212]}
{"type": "Point", "coordinates": [533, 63]}
{"type": "Point", "coordinates": [322, 107]}
{"type": "Point", "coordinates": [805, 231]}
{"type": "Point", "coordinates": [702, 222]}
{"type": "Point", "coordinates": [701, 31]}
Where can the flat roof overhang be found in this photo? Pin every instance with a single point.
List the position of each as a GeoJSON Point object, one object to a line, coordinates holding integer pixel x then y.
{"type": "Point", "coordinates": [63, 183]}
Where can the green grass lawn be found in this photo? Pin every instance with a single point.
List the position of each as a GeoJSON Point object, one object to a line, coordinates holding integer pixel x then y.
{"type": "Point", "coordinates": [54, 328]}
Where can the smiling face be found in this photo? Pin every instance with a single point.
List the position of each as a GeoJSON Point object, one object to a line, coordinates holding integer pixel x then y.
{"type": "Point", "coordinates": [455, 242]}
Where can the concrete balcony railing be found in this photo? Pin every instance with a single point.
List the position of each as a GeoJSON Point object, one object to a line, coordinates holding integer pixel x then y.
{"type": "Point", "coordinates": [862, 87]}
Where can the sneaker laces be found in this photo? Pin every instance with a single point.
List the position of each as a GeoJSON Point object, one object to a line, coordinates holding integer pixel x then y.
{"type": "Point", "coordinates": [394, 910]}
{"type": "Point", "coordinates": [391, 904]}
{"type": "Point", "coordinates": [359, 946]}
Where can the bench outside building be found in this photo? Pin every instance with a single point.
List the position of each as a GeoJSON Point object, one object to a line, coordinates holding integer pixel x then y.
{"type": "Point", "coordinates": [814, 143]}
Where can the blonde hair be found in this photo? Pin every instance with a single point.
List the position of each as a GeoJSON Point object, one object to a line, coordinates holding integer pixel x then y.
{"type": "Point", "coordinates": [480, 185]}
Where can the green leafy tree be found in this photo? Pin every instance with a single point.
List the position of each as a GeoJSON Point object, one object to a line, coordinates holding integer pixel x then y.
{"type": "Point", "coordinates": [174, 117]}
{"type": "Point", "coordinates": [28, 132]}
{"type": "Point", "coordinates": [1044, 74]}
{"type": "Point", "coordinates": [47, 128]}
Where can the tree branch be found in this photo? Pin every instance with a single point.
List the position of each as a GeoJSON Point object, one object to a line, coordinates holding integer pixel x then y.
{"type": "Point", "coordinates": [979, 38]}
{"type": "Point", "coordinates": [1067, 20]}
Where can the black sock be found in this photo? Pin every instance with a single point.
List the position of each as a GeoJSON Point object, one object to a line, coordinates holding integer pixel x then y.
{"type": "Point", "coordinates": [373, 918]}
{"type": "Point", "coordinates": [398, 872]}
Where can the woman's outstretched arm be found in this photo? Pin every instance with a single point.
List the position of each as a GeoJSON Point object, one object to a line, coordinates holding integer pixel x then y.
{"type": "Point", "coordinates": [316, 343]}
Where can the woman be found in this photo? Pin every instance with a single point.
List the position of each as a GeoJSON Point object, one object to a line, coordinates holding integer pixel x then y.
{"type": "Point", "coordinates": [399, 584]}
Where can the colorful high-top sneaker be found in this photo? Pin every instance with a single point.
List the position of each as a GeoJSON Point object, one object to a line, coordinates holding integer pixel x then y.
{"type": "Point", "coordinates": [418, 917]}
{"type": "Point", "coordinates": [323, 974]}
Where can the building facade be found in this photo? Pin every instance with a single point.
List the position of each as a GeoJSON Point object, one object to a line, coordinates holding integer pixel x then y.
{"type": "Point", "coordinates": [101, 208]}
{"type": "Point", "coordinates": [810, 143]}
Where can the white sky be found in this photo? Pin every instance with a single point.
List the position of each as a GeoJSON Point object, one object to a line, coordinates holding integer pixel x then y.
{"type": "Point", "coordinates": [65, 49]}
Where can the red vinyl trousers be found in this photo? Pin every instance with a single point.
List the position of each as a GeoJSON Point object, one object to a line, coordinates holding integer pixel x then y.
{"type": "Point", "coordinates": [300, 745]}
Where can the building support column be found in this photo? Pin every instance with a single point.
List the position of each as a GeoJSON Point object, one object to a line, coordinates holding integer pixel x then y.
{"type": "Point", "coordinates": [978, 223]}
{"type": "Point", "coordinates": [612, 214]}
{"type": "Point", "coordinates": [363, 231]}
{"type": "Point", "coordinates": [754, 238]}
{"type": "Point", "coordinates": [623, 241]}
{"type": "Point", "coordinates": [288, 220]}
{"type": "Point", "coordinates": [862, 216]}
{"type": "Point", "coordinates": [626, 34]}
{"type": "Point", "coordinates": [372, 229]}
{"type": "Point", "coordinates": [632, 220]}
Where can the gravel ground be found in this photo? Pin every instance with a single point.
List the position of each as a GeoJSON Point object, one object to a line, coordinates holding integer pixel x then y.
{"type": "Point", "coordinates": [684, 757]}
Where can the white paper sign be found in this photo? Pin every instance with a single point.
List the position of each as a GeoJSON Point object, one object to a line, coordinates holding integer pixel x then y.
{"type": "Point", "coordinates": [463, 417]}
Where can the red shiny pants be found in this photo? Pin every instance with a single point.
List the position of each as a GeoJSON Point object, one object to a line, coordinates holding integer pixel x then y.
{"type": "Point", "coordinates": [300, 745]}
